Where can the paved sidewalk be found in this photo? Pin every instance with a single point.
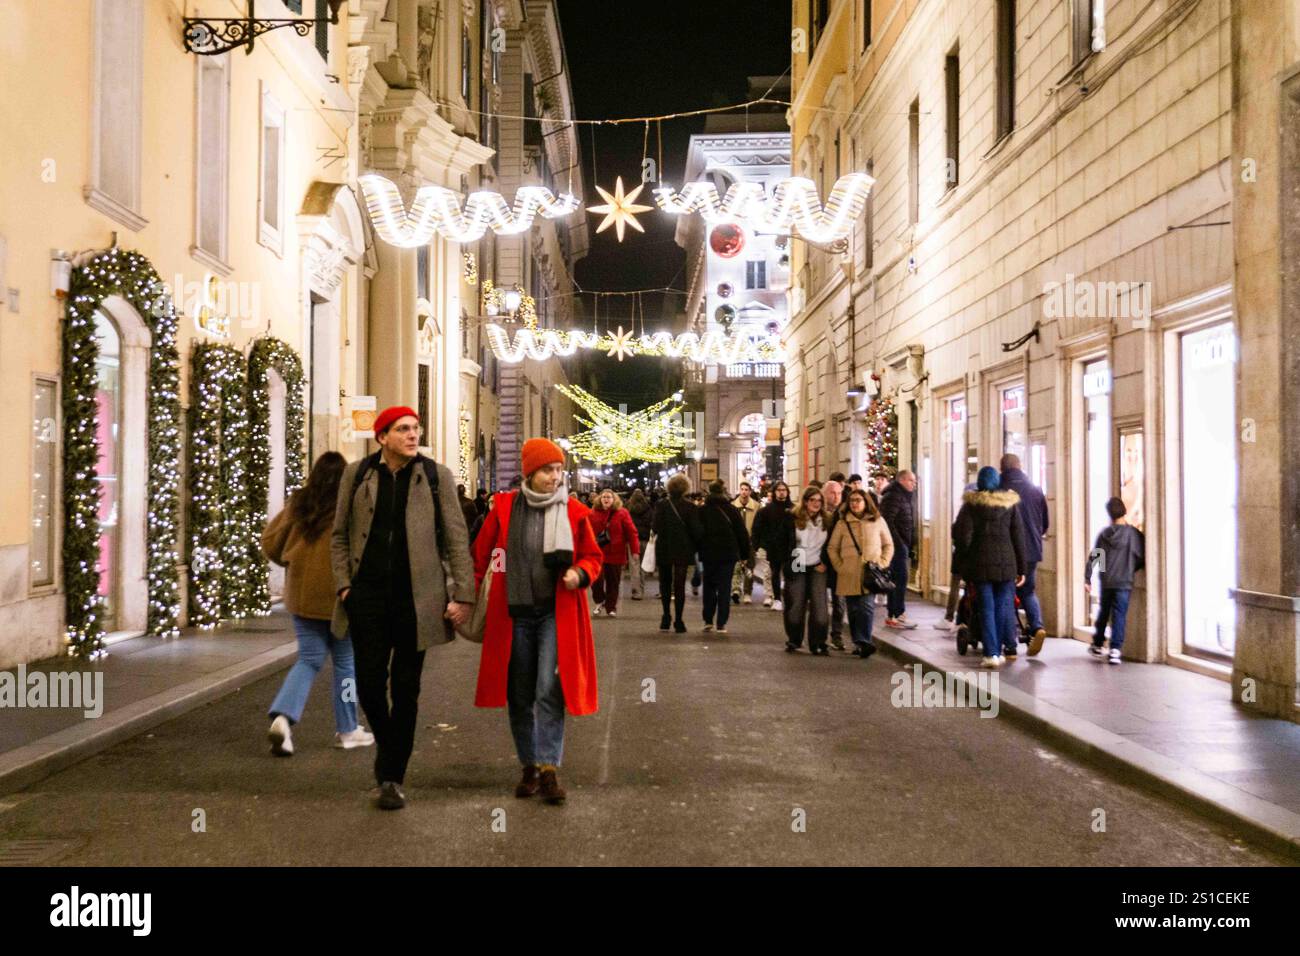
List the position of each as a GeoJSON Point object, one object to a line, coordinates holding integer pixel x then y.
{"type": "Point", "coordinates": [147, 681]}
{"type": "Point", "coordinates": [1179, 729]}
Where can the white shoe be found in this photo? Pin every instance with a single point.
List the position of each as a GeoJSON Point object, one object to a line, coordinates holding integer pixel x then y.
{"type": "Point", "coordinates": [596, 611]}
{"type": "Point", "coordinates": [767, 602]}
{"type": "Point", "coordinates": [991, 662]}
{"type": "Point", "coordinates": [707, 628]}
{"type": "Point", "coordinates": [904, 623]}
{"type": "Point", "coordinates": [945, 625]}
{"type": "Point", "coordinates": [747, 599]}
{"type": "Point", "coordinates": [280, 736]}
{"type": "Point", "coordinates": [357, 737]}
{"type": "Point", "coordinates": [1114, 655]}
{"type": "Point", "coordinates": [612, 613]}
{"type": "Point", "coordinates": [778, 606]}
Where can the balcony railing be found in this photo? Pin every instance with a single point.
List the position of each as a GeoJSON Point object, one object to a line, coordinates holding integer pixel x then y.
{"type": "Point", "coordinates": [754, 370]}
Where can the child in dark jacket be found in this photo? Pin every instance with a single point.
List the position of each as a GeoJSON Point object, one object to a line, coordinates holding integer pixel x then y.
{"type": "Point", "coordinates": [1120, 554]}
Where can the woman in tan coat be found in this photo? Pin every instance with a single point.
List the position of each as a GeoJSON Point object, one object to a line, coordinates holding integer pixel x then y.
{"type": "Point", "coordinates": [860, 537]}
{"type": "Point", "coordinates": [298, 538]}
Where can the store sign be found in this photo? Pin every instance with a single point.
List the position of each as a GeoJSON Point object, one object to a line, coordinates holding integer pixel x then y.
{"type": "Point", "coordinates": [1013, 399]}
{"type": "Point", "coordinates": [1217, 350]}
{"type": "Point", "coordinates": [359, 414]}
{"type": "Point", "coordinates": [1096, 382]}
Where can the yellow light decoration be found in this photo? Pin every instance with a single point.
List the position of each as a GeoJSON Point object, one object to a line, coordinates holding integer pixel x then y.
{"type": "Point", "coordinates": [793, 205]}
{"type": "Point", "coordinates": [619, 209]}
{"type": "Point", "coordinates": [471, 268]}
{"type": "Point", "coordinates": [438, 209]}
{"type": "Point", "coordinates": [715, 347]}
{"type": "Point", "coordinates": [466, 446]}
{"type": "Point", "coordinates": [494, 303]}
{"type": "Point", "coordinates": [613, 437]}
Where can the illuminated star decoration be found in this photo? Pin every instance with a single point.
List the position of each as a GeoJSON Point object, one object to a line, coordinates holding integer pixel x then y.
{"type": "Point", "coordinates": [620, 209]}
{"type": "Point", "coordinates": [620, 344]}
{"type": "Point", "coordinates": [656, 433]}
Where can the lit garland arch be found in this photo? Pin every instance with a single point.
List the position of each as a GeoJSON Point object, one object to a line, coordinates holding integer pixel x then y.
{"type": "Point", "coordinates": [266, 354]}
{"type": "Point", "coordinates": [131, 276]}
{"type": "Point", "coordinates": [221, 531]}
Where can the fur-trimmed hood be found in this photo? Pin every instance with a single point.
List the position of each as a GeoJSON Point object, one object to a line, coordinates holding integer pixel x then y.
{"type": "Point", "coordinates": [991, 499]}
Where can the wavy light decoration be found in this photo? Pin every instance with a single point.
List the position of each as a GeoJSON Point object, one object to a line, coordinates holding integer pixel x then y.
{"type": "Point", "coordinates": [656, 433]}
{"type": "Point", "coordinates": [713, 348]}
{"type": "Point", "coordinates": [793, 206]}
{"type": "Point", "coordinates": [438, 209]}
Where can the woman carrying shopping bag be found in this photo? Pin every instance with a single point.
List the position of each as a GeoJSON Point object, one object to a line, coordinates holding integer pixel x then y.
{"type": "Point", "coordinates": [298, 539]}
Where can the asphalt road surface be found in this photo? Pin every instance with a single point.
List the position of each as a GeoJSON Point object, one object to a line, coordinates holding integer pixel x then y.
{"type": "Point", "coordinates": [707, 749]}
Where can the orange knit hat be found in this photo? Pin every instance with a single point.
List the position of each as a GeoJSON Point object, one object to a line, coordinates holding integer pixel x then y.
{"type": "Point", "coordinates": [539, 452]}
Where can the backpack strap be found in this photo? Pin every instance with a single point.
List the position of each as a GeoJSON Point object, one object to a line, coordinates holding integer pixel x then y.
{"type": "Point", "coordinates": [430, 475]}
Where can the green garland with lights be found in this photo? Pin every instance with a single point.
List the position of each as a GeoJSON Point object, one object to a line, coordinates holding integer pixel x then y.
{"type": "Point", "coordinates": [131, 276]}
{"type": "Point", "coordinates": [882, 437]}
{"type": "Point", "coordinates": [221, 531]}
{"type": "Point", "coordinates": [266, 354]}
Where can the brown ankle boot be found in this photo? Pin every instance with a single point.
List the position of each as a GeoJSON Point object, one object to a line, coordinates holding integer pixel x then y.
{"type": "Point", "coordinates": [528, 784]}
{"type": "Point", "coordinates": [552, 792]}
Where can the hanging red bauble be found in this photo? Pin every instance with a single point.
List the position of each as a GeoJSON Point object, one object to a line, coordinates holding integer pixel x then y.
{"type": "Point", "coordinates": [727, 239]}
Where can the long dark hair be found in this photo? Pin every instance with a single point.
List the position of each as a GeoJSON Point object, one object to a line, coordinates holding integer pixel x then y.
{"type": "Point", "coordinates": [312, 506]}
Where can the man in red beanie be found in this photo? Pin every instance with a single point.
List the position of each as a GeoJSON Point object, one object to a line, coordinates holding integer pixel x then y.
{"type": "Point", "coordinates": [398, 521]}
{"type": "Point", "coordinates": [538, 655]}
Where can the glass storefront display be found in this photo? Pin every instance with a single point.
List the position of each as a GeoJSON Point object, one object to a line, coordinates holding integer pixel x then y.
{"type": "Point", "coordinates": [1097, 462]}
{"type": "Point", "coordinates": [108, 420]}
{"type": "Point", "coordinates": [1014, 420]}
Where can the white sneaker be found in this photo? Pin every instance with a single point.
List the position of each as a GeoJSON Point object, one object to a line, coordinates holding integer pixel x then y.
{"type": "Point", "coordinates": [280, 736]}
{"type": "Point", "coordinates": [707, 628]}
{"type": "Point", "coordinates": [358, 737]}
{"type": "Point", "coordinates": [1114, 655]}
{"type": "Point", "coordinates": [778, 606]}
{"type": "Point", "coordinates": [991, 662]}
{"type": "Point", "coordinates": [945, 625]}
{"type": "Point", "coordinates": [767, 602]}
{"type": "Point", "coordinates": [747, 599]}
{"type": "Point", "coordinates": [904, 623]}
{"type": "Point", "coordinates": [612, 613]}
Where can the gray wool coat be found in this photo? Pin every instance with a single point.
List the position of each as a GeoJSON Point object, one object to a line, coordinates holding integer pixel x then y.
{"type": "Point", "coordinates": [429, 579]}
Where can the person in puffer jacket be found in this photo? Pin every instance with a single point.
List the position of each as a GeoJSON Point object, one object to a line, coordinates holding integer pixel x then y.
{"type": "Point", "coordinates": [990, 543]}
{"type": "Point", "coordinates": [642, 511]}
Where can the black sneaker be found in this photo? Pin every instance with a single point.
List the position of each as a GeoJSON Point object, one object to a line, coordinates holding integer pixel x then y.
{"type": "Point", "coordinates": [665, 622]}
{"type": "Point", "coordinates": [791, 648]}
{"type": "Point", "coordinates": [390, 797]}
{"type": "Point", "coordinates": [679, 627]}
{"type": "Point", "coordinates": [864, 650]}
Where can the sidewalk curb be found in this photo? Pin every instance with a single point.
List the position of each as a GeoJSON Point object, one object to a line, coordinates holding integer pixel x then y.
{"type": "Point", "coordinates": [1266, 823]}
{"type": "Point", "coordinates": [23, 766]}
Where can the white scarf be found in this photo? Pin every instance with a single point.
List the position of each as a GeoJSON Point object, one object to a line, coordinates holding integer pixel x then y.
{"type": "Point", "coordinates": [557, 536]}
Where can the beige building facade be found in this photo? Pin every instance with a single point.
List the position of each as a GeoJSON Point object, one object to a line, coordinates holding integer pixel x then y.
{"type": "Point", "coordinates": [1046, 268]}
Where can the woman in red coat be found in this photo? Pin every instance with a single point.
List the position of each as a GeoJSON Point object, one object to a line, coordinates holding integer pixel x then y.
{"type": "Point", "coordinates": [616, 533]}
{"type": "Point", "coordinates": [538, 656]}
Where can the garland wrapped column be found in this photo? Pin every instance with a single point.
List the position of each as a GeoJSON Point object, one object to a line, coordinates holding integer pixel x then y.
{"type": "Point", "coordinates": [221, 532]}
{"type": "Point", "coordinates": [266, 354]}
{"type": "Point", "coordinates": [129, 275]}
{"type": "Point", "coordinates": [882, 437]}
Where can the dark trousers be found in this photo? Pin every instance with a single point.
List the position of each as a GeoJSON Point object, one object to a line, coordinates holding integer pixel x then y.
{"type": "Point", "coordinates": [717, 591]}
{"type": "Point", "coordinates": [605, 588]}
{"type": "Point", "coordinates": [898, 568]}
{"type": "Point", "coordinates": [672, 586]}
{"type": "Point", "coordinates": [837, 616]}
{"type": "Point", "coordinates": [385, 644]}
{"type": "Point", "coordinates": [806, 597]}
{"type": "Point", "coordinates": [862, 609]}
{"type": "Point", "coordinates": [1029, 600]}
{"type": "Point", "coordinates": [1114, 608]}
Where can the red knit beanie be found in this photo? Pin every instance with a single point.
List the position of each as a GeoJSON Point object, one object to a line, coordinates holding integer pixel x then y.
{"type": "Point", "coordinates": [391, 414]}
{"type": "Point", "coordinates": [539, 452]}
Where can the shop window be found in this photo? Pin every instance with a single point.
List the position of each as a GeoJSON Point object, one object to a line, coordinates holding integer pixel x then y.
{"type": "Point", "coordinates": [1096, 458]}
{"type": "Point", "coordinates": [45, 452]}
{"type": "Point", "coordinates": [1012, 401]}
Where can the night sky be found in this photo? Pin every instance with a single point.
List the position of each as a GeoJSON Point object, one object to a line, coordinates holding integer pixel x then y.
{"type": "Point", "coordinates": [640, 59]}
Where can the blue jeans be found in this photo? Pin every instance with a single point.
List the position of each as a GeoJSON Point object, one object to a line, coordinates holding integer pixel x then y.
{"type": "Point", "coordinates": [534, 694]}
{"type": "Point", "coordinates": [862, 607]}
{"type": "Point", "coordinates": [896, 601]}
{"type": "Point", "coordinates": [1114, 607]}
{"type": "Point", "coordinates": [997, 612]}
{"type": "Point", "coordinates": [314, 643]}
{"type": "Point", "coordinates": [1029, 600]}
{"type": "Point", "coordinates": [717, 591]}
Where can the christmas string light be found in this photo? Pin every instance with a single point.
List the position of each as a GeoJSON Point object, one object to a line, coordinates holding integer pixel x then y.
{"type": "Point", "coordinates": [793, 205]}
{"type": "Point", "coordinates": [715, 347]}
{"type": "Point", "coordinates": [438, 209]}
{"type": "Point", "coordinates": [130, 276]}
{"type": "Point", "coordinates": [656, 433]}
{"type": "Point", "coordinates": [270, 353]}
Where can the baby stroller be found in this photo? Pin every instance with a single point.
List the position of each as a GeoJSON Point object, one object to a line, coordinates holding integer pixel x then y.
{"type": "Point", "coordinates": [969, 629]}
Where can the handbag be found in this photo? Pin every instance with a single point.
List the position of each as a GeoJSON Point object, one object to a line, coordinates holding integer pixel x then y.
{"type": "Point", "coordinates": [473, 629]}
{"type": "Point", "coordinates": [648, 555]}
{"type": "Point", "coordinates": [875, 579]}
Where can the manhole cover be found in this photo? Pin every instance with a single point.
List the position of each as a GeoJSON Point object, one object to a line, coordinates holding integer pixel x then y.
{"type": "Point", "coordinates": [33, 852]}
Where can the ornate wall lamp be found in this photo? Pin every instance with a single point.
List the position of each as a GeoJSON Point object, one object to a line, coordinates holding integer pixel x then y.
{"type": "Point", "coordinates": [211, 36]}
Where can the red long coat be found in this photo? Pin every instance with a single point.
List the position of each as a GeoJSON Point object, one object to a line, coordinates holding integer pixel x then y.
{"type": "Point", "coordinates": [574, 644]}
{"type": "Point", "coordinates": [622, 533]}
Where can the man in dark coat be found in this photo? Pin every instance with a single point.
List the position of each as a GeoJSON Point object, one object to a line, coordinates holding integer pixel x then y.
{"type": "Point", "coordinates": [1033, 519]}
{"type": "Point", "coordinates": [899, 511]}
